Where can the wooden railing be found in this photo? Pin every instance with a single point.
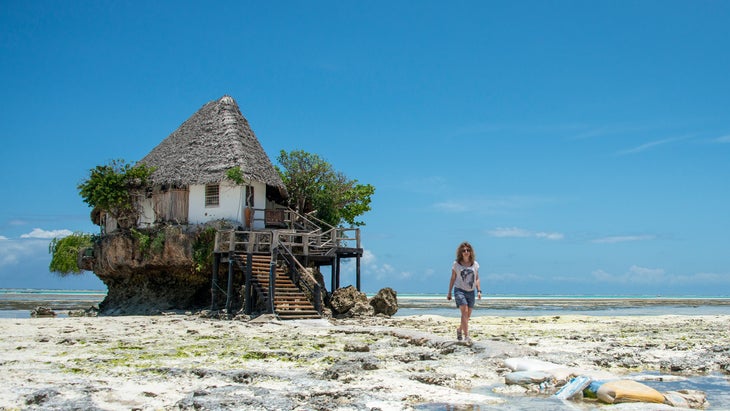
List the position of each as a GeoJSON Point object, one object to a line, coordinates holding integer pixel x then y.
{"type": "Point", "coordinates": [297, 271]}
{"type": "Point", "coordinates": [302, 234]}
{"type": "Point", "coordinates": [300, 243]}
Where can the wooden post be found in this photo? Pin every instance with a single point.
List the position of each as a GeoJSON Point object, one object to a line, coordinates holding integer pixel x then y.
{"type": "Point", "coordinates": [332, 277]}
{"type": "Point", "coordinates": [337, 277]}
{"type": "Point", "coordinates": [357, 270]}
{"type": "Point", "coordinates": [318, 298]}
{"type": "Point", "coordinates": [229, 287]}
{"type": "Point", "coordinates": [214, 282]}
{"type": "Point", "coordinates": [272, 280]}
{"type": "Point", "coordinates": [248, 292]}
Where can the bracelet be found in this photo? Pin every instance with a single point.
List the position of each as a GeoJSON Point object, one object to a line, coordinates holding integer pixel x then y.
{"type": "Point", "coordinates": [479, 291]}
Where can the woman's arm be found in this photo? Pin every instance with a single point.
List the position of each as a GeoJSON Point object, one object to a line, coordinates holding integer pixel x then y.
{"type": "Point", "coordinates": [451, 283]}
{"type": "Point", "coordinates": [478, 283]}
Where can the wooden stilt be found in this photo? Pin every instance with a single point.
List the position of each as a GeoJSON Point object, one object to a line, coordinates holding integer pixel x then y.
{"type": "Point", "coordinates": [272, 282]}
{"type": "Point", "coordinates": [357, 271]}
{"type": "Point", "coordinates": [337, 265]}
{"type": "Point", "coordinates": [229, 287]}
{"type": "Point", "coordinates": [248, 293]}
{"type": "Point", "coordinates": [332, 277]}
{"type": "Point", "coordinates": [214, 283]}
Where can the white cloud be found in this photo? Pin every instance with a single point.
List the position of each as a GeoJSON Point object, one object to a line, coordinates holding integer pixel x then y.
{"type": "Point", "coordinates": [634, 275]}
{"type": "Point", "coordinates": [600, 275]}
{"type": "Point", "coordinates": [31, 246]}
{"type": "Point", "coordinates": [508, 232]}
{"type": "Point", "coordinates": [549, 236]}
{"type": "Point", "coordinates": [370, 267]}
{"type": "Point", "coordinates": [492, 205]}
{"type": "Point", "coordinates": [723, 139]}
{"type": "Point", "coordinates": [644, 274]}
{"type": "Point", "coordinates": [586, 131]}
{"type": "Point", "coordinates": [514, 232]}
{"type": "Point", "coordinates": [367, 257]}
{"type": "Point", "coordinates": [45, 234]}
{"type": "Point", "coordinates": [649, 145]}
{"type": "Point", "coordinates": [14, 252]}
{"type": "Point", "coordinates": [622, 239]}
{"type": "Point", "coordinates": [637, 275]}
{"type": "Point", "coordinates": [708, 278]}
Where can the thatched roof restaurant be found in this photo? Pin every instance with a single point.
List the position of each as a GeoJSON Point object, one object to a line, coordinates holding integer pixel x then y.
{"type": "Point", "coordinates": [213, 140]}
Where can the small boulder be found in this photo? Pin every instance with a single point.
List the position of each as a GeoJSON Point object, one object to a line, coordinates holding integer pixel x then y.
{"type": "Point", "coordinates": [385, 302]}
{"type": "Point", "coordinates": [344, 299]}
{"type": "Point", "coordinates": [686, 399]}
{"type": "Point", "coordinates": [41, 311]}
{"type": "Point", "coordinates": [361, 309]}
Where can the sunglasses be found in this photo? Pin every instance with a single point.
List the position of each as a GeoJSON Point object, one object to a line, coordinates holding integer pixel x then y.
{"type": "Point", "coordinates": [465, 250]}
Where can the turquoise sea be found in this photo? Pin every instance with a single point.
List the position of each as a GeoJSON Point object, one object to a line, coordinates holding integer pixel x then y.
{"type": "Point", "coordinates": [18, 303]}
{"type": "Point", "coordinates": [600, 305]}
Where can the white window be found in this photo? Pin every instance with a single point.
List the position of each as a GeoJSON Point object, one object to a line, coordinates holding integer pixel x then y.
{"type": "Point", "coordinates": [212, 197]}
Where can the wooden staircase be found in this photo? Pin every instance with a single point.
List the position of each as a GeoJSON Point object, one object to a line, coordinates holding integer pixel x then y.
{"type": "Point", "coordinates": [290, 303]}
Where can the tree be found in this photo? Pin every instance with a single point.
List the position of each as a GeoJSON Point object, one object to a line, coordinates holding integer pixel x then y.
{"type": "Point", "coordinates": [112, 188]}
{"type": "Point", "coordinates": [65, 252]}
{"type": "Point", "coordinates": [313, 185]}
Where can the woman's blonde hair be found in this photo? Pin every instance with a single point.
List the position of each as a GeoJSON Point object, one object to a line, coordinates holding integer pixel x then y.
{"type": "Point", "coordinates": [460, 256]}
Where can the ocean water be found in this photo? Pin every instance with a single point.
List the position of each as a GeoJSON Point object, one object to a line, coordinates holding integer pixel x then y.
{"type": "Point", "coordinates": [597, 305]}
{"type": "Point", "coordinates": [18, 303]}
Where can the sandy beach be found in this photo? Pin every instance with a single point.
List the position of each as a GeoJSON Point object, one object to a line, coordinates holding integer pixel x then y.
{"type": "Point", "coordinates": [182, 361]}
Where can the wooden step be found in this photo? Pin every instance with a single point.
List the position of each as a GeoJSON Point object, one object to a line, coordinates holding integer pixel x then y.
{"type": "Point", "coordinates": [289, 301]}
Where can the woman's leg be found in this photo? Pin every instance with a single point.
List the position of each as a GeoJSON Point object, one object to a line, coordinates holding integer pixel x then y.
{"type": "Point", "coordinates": [465, 314]}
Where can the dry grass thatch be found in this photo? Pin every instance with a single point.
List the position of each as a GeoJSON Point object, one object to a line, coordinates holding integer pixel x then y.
{"type": "Point", "coordinates": [213, 140]}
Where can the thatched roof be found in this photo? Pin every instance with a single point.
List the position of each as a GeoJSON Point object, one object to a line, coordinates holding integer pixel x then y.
{"type": "Point", "coordinates": [209, 143]}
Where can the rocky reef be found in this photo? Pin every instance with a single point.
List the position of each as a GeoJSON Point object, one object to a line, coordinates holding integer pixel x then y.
{"type": "Point", "coordinates": [150, 271]}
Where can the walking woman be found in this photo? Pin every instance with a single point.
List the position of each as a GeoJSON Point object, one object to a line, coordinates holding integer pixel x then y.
{"type": "Point", "coordinates": [464, 281]}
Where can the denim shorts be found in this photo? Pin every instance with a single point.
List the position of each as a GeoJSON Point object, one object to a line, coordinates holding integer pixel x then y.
{"type": "Point", "coordinates": [463, 297]}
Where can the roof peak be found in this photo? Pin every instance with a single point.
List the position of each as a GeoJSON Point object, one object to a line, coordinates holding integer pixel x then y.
{"type": "Point", "coordinates": [213, 140]}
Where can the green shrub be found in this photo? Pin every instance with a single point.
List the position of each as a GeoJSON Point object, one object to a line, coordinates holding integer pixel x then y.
{"type": "Point", "coordinates": [203, 249]}
{"type": "Point", "coordinates": [149, 241]}
{"type": "Point", "coordinates": [65, 252]}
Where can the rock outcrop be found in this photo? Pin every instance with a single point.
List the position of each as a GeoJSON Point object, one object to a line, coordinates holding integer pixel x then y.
{"type": "Point", "coordinates": [348, 302]}
{"type": "Point", "coordinates": [147, 274]}
{"type": "Point", "coordinates": [385, 302]}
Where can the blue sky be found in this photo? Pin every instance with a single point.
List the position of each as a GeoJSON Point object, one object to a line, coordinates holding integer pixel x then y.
{"type": "Point", "coordinates": [581, 147]}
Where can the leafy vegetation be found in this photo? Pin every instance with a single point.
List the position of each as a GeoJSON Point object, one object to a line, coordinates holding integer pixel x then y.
{"type": "Point", "coordinates": [235, 174]}
{"type": "Point", "coordinates": [65, 252]}
{"type": "Point", "coordinates": [149, 241]}
{"type": "Point", "coordinates": [314, 186]}
{"type": "Point", "coordinates": [112, 187]}
{"type": "Point", "coordinates": [203, 249]}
